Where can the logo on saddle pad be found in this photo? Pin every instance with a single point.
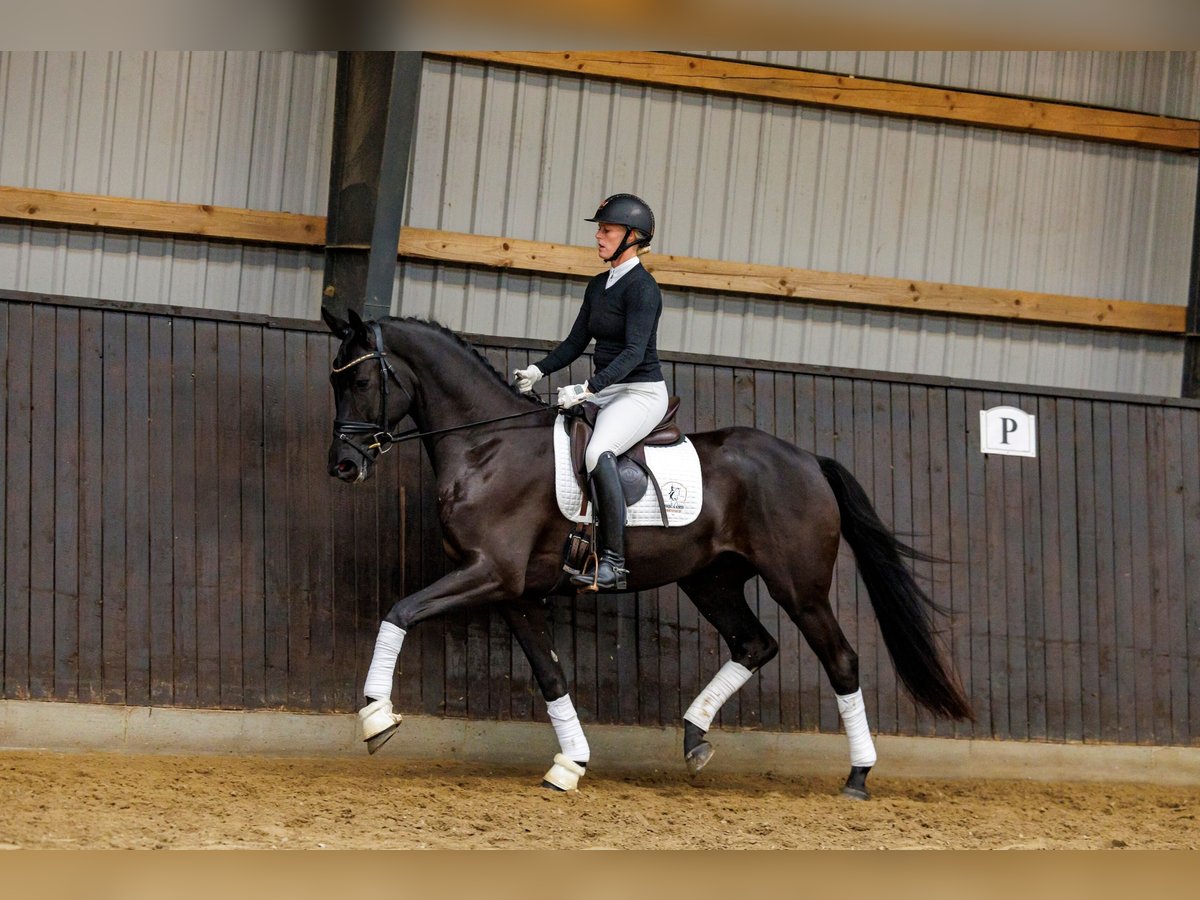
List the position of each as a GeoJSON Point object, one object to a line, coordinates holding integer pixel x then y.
{"type": "Point", "coordinates": [674, 496]}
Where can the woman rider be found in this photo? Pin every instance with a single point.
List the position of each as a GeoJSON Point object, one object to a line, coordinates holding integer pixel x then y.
{"type": "Point", "coordinates": [620, 310]}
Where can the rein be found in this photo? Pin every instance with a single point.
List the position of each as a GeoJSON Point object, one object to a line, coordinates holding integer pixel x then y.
{"type": "Point", "coordinates": [384, 439]}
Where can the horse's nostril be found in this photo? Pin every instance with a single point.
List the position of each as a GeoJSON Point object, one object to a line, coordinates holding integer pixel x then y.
{"type": "Point", "coordinates": [347, 469]}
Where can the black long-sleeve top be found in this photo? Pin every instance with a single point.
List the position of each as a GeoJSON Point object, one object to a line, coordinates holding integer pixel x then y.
{"type": "Point", "coordinates": [624, 321]}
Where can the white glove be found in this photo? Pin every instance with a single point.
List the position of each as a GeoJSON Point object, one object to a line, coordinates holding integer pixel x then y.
{"type": "Point", "coordinates": [572, 395]}
{"type": "Point", "coordinates": [527, 378]}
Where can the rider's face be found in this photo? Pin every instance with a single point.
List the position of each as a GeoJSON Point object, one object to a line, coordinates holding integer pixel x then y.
{"type": "Point", "coordinates": [608, 239]}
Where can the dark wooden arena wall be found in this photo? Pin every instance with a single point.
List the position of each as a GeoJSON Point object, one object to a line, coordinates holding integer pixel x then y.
{"type": "Point", "coordinates": [170, 538]}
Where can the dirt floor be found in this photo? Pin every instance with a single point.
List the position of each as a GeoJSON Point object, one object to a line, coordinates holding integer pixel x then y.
{"type": "Point", "coordinates": [104, 800]}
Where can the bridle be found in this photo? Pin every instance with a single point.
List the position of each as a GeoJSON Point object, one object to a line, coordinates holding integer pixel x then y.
{"type": "Point", "coordinates": [382, 437]}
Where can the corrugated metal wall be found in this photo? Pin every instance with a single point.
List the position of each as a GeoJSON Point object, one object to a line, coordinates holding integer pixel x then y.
{"type": "Point", "coordinates": [241, 129]}
{"type": "Point", "coordinates": [528, 155]}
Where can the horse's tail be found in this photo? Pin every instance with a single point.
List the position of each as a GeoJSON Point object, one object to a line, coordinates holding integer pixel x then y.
{"type": "Point", "coordinates": [904, 610]}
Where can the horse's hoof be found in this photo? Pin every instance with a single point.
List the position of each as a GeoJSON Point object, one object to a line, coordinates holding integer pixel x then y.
{"type": "Point", "coordinates": [697, 758]}
{"type": "Point", "coordinates": [376, 741]}
{"type": "Point", "coordinates": [856, 783]}
{"type": "Point", "coordinates": [564, 775]}
{"type": "Point", "coordinates": [378, 723]}
{"type": "Point", "coordinates": [552, 787]}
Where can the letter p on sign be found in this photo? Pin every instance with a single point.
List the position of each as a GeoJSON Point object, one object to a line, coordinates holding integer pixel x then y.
{"type": "Point", "coordinates": [1007, 430]}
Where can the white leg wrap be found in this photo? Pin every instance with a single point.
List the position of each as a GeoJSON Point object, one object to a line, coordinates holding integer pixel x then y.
{"type": "Point", "coordinates": [854, 717]}
{"type": "Point", "coordinates": [564, 774]}
{"type": "Point", "coordinates": [723, 686]}
{"type": "Point", "coordinates": [571, 741]}
{"type": "Point", "coordinates": [383, 663]}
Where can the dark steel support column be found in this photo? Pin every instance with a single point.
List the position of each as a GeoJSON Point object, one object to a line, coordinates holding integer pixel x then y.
{"type": "Point", "coordinates": [374, 120]}
{"type": "Point", "coordinates": [1191, 343]}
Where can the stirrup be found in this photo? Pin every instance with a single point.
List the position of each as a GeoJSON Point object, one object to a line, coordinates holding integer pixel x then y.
{"type": "Point", "coordinates": [588, 582]}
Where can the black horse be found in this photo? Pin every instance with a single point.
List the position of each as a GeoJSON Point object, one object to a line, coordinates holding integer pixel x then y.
{"type": "Point", "coordinates": [769, 509]}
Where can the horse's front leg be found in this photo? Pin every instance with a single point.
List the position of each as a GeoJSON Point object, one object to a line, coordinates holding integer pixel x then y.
{"type": "Point", "coordinates": [527, 620]}
{"type": "Point", "coordinates": [472, 585]}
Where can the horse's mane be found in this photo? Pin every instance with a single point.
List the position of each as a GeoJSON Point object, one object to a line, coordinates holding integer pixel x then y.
{"type": "Point", "coordinates": [473, 351]}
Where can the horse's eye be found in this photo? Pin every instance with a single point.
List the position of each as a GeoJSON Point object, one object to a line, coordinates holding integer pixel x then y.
{"type": "Point", "coordinates": [362, 383]}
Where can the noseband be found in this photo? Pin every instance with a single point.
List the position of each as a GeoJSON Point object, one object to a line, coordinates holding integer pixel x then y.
{"type": "Point", "coordinates": [383, 438]}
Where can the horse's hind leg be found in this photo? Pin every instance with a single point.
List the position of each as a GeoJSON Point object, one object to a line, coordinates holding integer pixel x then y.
{"type": "Point", "coordinates": [806, 601]}
{"type": "Point", "coordinates": [527, 619]}
{"type": "Point", "coordinates": [718, 592]}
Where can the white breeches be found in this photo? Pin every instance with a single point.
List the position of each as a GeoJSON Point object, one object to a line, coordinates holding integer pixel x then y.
{"type": "Point", "coordinates": [628, 412]}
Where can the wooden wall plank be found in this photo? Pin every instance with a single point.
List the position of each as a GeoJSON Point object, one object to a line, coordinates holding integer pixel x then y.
{"type": "Point", "coordinates": [1015, 637]}
{"type": "Point", "coordinates": [962, 624]}
{"type": "Point", "coordinates": [1176, 647]}
{"type": "Point", "coordinates": [226, 446]}
{"type": "Point", "coordinates": [849, 92]}
{"type": "Point", "coordinates": [1124, 562]}
{"type": "Point", "coordinates": [18, 497]}
{"type": "Point", "coordinates": [137, 512]}
{"type": "Point", "coordinates": [1141, 607]}
{"type": "Point", "coordinates": [977, 526]}
{"type": "Point", "coordinates": [208, 519]}
{"type": "Point", "coordinates": [907, 415]}
{"type": "Point", "coordinates": [1086, 541]}
{"type": "Point", "coordinates": [91, 511]}
{"type": "Point", "coordinates": [297, 577]}
{"type": "Point", "coordinates": [312, 451]}
{"type": "Point", "coordinates": [277, 448]}
{"type": "Point", "coordinates": [159, 217]}
{"type": "Point", "coordinates": [159, 485]}
{"type": "Point", "coordinates": [789, 283]}
{"type": "Point", "coordinates": [41, 515]}
{"type": "Point", "coordinates": [115, 489]}
{"type": "Point", "coordinates": [1071, 615]}
{"type": "Point", "coordinates": [253, 513]}
{"type": "Point", "coordinates": [1159, 596]}
{"type": "Point", "coordinates": [1047, 621]}
{"type": "Point", "coordinates": [818, 433]}
{"type": "Point", "coordinates": [1109, 438]}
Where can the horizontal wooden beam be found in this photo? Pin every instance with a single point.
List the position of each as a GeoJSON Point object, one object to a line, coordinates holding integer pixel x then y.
{"type": "Point", "coordinates": [193, 220]}
{"type": "Point", "coordinates": [185, 220]}
{"type": "Point", "coordinates": [786, 283]}
{"type": "Point", "coordinates": [890, 98]}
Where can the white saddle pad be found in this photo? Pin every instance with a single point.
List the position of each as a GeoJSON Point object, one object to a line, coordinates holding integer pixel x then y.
{"type": "Point", "coordinates": [677, 469]}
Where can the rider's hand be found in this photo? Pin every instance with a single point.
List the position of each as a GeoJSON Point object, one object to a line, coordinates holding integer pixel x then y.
{"type": "Point", "coordinates": [527, 378]}
{"type": "Point", "coordinates": [572, 395]}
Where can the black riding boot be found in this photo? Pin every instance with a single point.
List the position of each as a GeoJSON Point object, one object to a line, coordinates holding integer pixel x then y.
{"type": "Point", "coordinates": [610, 529]}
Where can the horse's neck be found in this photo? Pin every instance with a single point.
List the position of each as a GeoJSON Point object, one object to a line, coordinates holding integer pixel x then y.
{"type": "Point", "coordinates": [453, 387]}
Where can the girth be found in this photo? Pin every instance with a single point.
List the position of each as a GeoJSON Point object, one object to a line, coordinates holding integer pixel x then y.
{"type": "Point", "coordinates": [635, 475]}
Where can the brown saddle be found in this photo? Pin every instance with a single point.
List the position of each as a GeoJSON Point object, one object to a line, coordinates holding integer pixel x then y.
{"type": "Point", "coordinates": [631, 465]}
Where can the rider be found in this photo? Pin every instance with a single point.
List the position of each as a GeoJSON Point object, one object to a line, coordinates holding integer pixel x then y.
{"type": "Point", "coordinates": [621, 308]}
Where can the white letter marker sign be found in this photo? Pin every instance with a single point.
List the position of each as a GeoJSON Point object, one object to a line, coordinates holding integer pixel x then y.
{"type": "Point", "coordinates": [1007, 430]}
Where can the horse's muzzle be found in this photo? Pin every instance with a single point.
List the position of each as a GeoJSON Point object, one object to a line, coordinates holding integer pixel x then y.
{"type": "Point", "coordinates": [347, 470]}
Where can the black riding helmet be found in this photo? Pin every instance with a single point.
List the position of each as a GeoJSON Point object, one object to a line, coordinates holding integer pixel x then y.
{"type": "Point", "coordinates": [632, 212]}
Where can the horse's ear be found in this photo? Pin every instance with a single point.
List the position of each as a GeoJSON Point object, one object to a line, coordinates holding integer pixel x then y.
{"type": "Point", "coordinates": [356, 322]}
{"type": "Point", "coordinates": [339, 327]}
